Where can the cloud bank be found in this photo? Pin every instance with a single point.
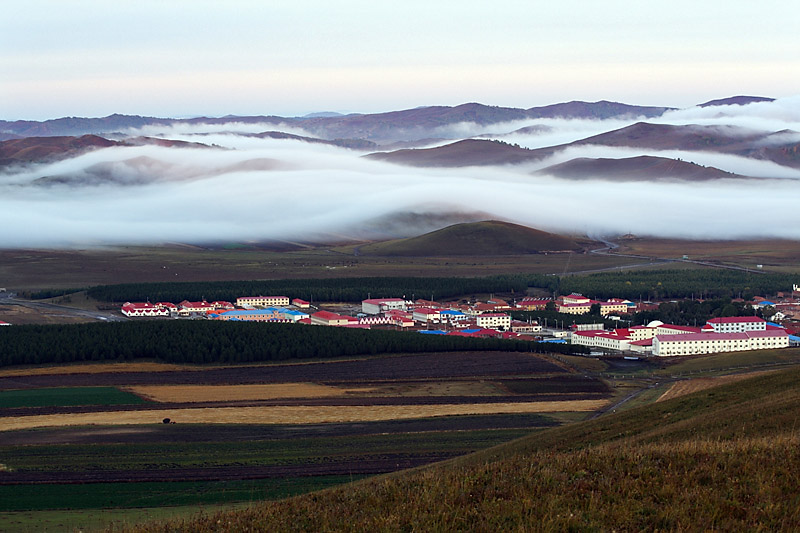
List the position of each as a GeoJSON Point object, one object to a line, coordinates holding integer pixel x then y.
{"type": "Point", "coordinates": [248, 189]}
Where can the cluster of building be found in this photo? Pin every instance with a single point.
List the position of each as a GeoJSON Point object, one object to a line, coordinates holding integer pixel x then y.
{"type": "Point", "coordinates": [491, 319]}
{"type": "Point", "coordinates": [724, 334]}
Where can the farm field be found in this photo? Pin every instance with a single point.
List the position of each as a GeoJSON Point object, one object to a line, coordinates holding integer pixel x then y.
{"type": "Point", "coordinates": [245, 433]}
{"type": "Point", "coordinates": [722, 458]}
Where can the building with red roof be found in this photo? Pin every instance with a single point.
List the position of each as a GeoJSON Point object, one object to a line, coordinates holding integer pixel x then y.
{"type": "Point", "coordinates": [737, 324]}
{"type": "Point", "coordinates": [140, 309]}
{"type": "Point", "coordinates": [376, 306]}
{"type": "Point", "coordinates": [701, 343]}
{"type": "Point", "coordinates": [327, 318]}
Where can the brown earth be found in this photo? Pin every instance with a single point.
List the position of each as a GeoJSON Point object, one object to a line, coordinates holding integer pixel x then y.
{"type": "Point", "coordinates": [233, 393]}
{"type": "Point", "coordinates": [435, 366]}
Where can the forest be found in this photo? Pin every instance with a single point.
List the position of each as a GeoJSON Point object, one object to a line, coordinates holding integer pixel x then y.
{"type": "Point", "coordinates": [198, 342]}
{"type": "Point", "coordinates": [632, 285]}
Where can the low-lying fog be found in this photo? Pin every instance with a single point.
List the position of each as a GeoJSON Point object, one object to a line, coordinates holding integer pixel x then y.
{"type": "Point", "coordinates": [251, 189]}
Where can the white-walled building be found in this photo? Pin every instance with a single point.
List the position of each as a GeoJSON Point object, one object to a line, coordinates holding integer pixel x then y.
{"type": "Point", "coordinates": [494, 321]}
{"type": "Point", "coordinates": [737, 324]}
{"type": "Point", "coordinates": [700, 343]}
{"type": "Point", "coordinates": [262, 301]}
{"type": "Point", "coordinates": [376, 306]}
{"type": "Point", "coordinates": [141, 309]}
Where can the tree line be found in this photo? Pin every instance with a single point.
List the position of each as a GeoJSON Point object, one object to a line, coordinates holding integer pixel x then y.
{"type": "Point", "coordinates": [316, 290]}
{"type": "Point", "coordinates": [201, 342]}
{"type": "Point", "coordinates": [632, 285]}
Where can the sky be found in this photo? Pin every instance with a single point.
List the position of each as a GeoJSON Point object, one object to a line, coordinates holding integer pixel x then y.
{"type": "Point", "coordinates": [183, 58]}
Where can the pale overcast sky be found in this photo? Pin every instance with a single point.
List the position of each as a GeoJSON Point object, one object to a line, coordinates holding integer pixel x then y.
{"type": "Point", "coordinates": [184, 58]}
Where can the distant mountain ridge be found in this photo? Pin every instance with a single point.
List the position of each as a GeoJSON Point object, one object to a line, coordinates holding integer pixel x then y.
{"type": "Point", "coordinates": [376, 127]}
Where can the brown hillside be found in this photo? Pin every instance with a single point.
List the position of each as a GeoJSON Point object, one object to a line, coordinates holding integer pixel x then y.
{"type": "Point", "coordinates": [469, 152]}
{"type": "Point", "coordinates": [642, 168]}
{"type": "Point", "coordinates": [45, 149]}
{"type": "Point", "coordinates": [476, 238]}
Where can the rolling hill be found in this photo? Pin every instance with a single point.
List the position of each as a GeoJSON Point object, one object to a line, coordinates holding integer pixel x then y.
{"type": "Point", "coordinates": [469, 152]}
{"type": "Point", "coordinates": [44, 149]}
{"type": "Point", "coordinates": [780, 147]}
{"type": "Point", "coordinates": [723, 459]}
{"type": "Point", "coordinates": [642, 168]}
{"type": "Point", "coordinates": [736, 100]}
{"type": "Point", "coordinates": [476, 238]}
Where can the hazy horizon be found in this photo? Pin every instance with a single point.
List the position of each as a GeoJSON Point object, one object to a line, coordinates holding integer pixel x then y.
{"type": "Point", "coordinates": [183, 58]}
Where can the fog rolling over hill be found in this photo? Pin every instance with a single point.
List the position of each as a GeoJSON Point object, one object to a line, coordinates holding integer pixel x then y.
{"type": "Point", "coordinates": [564, 169]}
{"type": "Point", "coordinates": [489, 237]}
{"type": "Point", "coordinates": [642, 168]}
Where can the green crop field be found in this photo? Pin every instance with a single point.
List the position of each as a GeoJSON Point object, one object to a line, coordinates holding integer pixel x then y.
{"type": "Point", "coordinates": [174, 456]}
{"type": "Point", "coordinates": [67, 396]}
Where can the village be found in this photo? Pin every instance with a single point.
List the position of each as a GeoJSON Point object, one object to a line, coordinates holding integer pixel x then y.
{"type": "Point", "coordinates": [493, 319]}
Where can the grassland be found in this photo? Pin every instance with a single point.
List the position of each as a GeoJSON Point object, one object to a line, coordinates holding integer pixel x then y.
{"type": "Point", "coordinates": [722, 459]}
{"type": "Point", "coordinates": [775, 254]}
{"type": "Point", "coordinates": [34, 269]}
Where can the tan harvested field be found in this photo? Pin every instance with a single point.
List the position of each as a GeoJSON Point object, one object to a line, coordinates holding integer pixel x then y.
{"type": "Point", "coordinates": [232, 393]}
{"type": "Point", "coordinates": [294, 414]}
{"type": "Point", "coordinates": [20, 315]}
{"type": "Point", "coordinates": [99, 368]}
{"type": "Point", "coordinates": [682, 388]}
{"type": "Point", "coordinates": [772, 252]}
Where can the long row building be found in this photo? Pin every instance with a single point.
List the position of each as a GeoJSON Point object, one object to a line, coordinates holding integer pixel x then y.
{"type": "Point", "coordinates": [724, 334]}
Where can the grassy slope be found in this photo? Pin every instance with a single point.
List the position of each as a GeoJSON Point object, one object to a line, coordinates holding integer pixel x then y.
{"type": "Point", "coordinates": [485, 238]}
{"type": "Point", "coordinates": [724, 458]}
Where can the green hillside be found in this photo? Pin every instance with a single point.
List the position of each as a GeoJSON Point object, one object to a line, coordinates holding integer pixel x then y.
{"type": "Point", "coordinates": [490, 237]}
{"type": "Point", "coordinates": [722, 459]}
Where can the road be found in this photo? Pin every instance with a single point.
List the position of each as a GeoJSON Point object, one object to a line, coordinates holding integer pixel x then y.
{"type": "Point", "coordinates": [8, 298]}
{"type": "Point", "coordinates": [609, 248]}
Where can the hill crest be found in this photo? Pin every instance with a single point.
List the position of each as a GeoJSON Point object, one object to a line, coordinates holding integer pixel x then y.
{"type": "Point", "coordinates": [490, 237]}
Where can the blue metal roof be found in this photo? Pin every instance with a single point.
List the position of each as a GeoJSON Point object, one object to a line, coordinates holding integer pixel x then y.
{"type": "Point", "coordinates": [433, 332]}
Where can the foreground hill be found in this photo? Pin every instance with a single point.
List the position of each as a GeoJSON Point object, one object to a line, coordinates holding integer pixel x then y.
{"type": "Point", "coordinates": [476, 238]}
{"type": "Point", "coordinates": [642, 168]}
{"type": "Point", "coordinates": [721, 459]}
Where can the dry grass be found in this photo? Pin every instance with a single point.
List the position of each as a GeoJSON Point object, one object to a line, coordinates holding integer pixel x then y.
{"type": "Point", "coordinates": [293, 414]}
{"type": "Point", "coordinates": [232, 393]}
{"type": "Point", "coordinates": [749, 253]}
{"type": "Point", "coordinates": [682, 388]}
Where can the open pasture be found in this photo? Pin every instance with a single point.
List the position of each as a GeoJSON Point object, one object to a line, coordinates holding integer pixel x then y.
{"type": "Point", "coordinates": [45, 269]}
